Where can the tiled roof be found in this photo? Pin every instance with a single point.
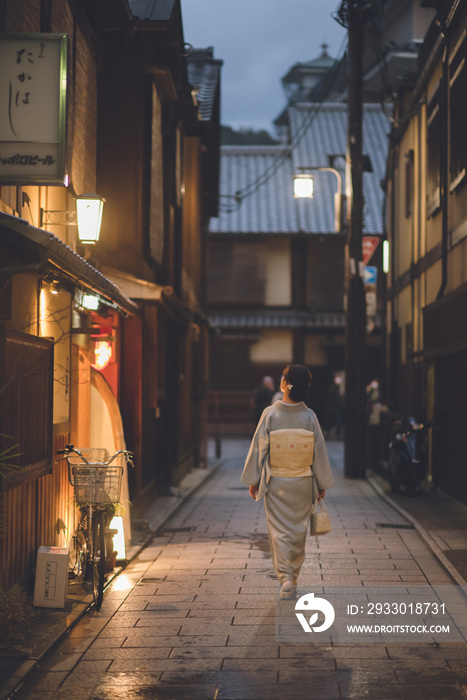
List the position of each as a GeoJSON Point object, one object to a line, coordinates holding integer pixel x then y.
{"type": "Point", "coordinates": [52, 250]}
{"type": "Point", "coordinates": [277, 319]}
{"type": "Point", "coordinates": [153, 10]}
{"type": "Point", "coordinates": [204, 74]}
{"type": "Point", "coordinates": [328, 135]}
{"type": "Point", "coordinates": [271, 208]}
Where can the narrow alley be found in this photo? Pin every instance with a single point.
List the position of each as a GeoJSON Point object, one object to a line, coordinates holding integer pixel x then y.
{"type": "Point", "coordinates": [192, 617]}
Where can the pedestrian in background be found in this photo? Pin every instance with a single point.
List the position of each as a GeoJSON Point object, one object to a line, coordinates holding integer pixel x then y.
{"type": "Point", "coordinates": [287, 441]}
{"type": "Point", "coordinates": [262, 396]}
{"type": "Point", "coordinates": [335, 405]}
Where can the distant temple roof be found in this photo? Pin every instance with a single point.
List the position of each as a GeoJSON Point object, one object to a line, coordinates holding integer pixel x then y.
{"type": "Point", "coordinates": [318, 65]}
{"type": "Point", "coordinates": [302, 79]}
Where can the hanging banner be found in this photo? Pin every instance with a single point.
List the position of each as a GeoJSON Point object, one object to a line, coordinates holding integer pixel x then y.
{"type": "Point", "coordinates": [33, 80]}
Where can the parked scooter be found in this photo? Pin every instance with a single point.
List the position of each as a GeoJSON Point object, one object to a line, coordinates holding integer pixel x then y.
{"type": "Point", "coordinates": [407, 456]}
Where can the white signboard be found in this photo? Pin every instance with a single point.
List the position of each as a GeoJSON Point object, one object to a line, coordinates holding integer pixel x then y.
{"type": "Point", "coordinates": [33, 72]}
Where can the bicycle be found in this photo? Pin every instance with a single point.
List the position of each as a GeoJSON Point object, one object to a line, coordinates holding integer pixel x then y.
{"type": "Point", "coordinates": [96, 486]}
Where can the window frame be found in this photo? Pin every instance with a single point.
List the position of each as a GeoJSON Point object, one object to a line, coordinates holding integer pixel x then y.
{"type": "Point", "coordinates": [457, 130]}
{"type": "Point", "coordinates": [433, 146]}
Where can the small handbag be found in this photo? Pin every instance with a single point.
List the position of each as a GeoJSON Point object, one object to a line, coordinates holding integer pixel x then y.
{"type": "Point", "coordinates": [319, 519]}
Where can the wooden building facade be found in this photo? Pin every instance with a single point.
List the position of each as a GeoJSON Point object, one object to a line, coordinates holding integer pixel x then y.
{"type": "Point", "coordinates": [427, 231]}
{"type": "Point", "coordinates": [136, 136]}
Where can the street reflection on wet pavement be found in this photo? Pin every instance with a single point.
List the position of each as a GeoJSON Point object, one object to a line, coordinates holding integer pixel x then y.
{"type": "Point", "coordinates": [193, 616]}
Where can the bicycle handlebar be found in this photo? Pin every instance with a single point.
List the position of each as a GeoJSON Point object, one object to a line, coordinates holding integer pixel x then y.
{"type": "Point", "coordinates": [71, 448]}
{"type": "Point", "coordinates": [126, 453]}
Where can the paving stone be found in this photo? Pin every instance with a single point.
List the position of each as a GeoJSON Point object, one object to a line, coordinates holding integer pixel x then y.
{"type": "Point", "coordinates": [107, 642]}
{"type": "Point", "coordinates": [245, 601]}
{"type": "Point", "coordinates": [384, 691]}
{"type": "Point", "coordinates": [230, 563]}
{"type": "Point", "coordinates": [263, 652]}
{"type": "Point", "coordinates": [207, 613]}
{"type": "Point", "coordinates": [202, 626]}
{"type": "Point", "coordinates": [426, 650]}
{"type": "Point", "coordinates": [171, 626]}
{"type": "Point", "coordinates": [378, 664]}
{"type": "Point", "coordinates": [143, 639]}
{"type": "Point", "coordinates": [127, 654]}
{"type": "Point", "coordinates": [369, 652]}
{"type": "Point", "coordinates": [226, 588]}
{"type": "Point", "coordinates": [155, 691]}
{"type": "Point", "coordinates": [290, 664]}
{"type": "Point", "coordinates": [174, 666]}
{"type": "Point", "coordinates": [226, 679]}
{"type": "Point", "coordinates": [86, 674]}
{"type": "Point", "coordinates": [243, 636]}
{"type": "Point", "coordinates": [436, 675]}
{"type": "Point", "coordinates": [259, 622]}
{"type": "Point", "coordinates": [340, 579]}
{"type": "Point", "coordinates": [67, 692]}
{"type": "Point", "coordinates": [265, 613]}
{"type": "Point", "coordinates": [199, 621]}
{"type": "Point", "coordinates": [77, 645]}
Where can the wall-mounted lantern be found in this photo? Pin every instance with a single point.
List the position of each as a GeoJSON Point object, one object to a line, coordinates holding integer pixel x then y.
{"type": "Point", "coordinates": [87, 216]}
{"type": "Point", "coordinates": [89, 208]}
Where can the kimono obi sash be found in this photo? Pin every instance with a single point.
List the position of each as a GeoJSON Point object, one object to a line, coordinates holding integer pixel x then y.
{"type": "Point", "coordinates": [291, 452]}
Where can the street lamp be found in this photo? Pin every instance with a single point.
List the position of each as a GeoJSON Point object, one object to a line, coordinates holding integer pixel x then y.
{"type": "Point", "coordinates": [303, 187]}
{"type": "Point", "coordinates": [87, 217]}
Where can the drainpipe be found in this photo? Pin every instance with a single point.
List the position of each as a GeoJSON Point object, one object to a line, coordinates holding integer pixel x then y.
{"type": "Point", "coordinates": [443, 166]}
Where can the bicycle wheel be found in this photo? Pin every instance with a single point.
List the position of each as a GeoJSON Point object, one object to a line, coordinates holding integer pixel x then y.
{"type": "Point", "coordinates": [79, 555]}
{"type": "Point", "coordinates": [98, 557]}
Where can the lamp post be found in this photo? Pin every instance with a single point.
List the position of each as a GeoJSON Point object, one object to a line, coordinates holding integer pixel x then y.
{"type": "Point", "coordinates": [303, 187]}
{"type": "Point", "coordinates": [355, 338]}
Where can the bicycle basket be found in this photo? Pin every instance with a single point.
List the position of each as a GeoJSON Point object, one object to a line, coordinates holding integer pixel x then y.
{"type": "Point", "coordinates": [94, 455]}
{"type": "Point", "coordinates": [96, 484]}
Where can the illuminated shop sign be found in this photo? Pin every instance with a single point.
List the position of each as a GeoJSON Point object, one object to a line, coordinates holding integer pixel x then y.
{"type": "Point", "coordinates": [33, 81]}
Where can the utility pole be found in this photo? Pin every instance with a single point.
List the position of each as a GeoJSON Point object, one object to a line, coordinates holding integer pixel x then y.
{"type": "Point", "coordinates": [355, 341]}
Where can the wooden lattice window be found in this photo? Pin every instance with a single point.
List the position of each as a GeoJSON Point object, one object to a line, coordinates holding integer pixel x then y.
{"type": "Point", "coordinates": [434, 153]}
{"type": "Point", "coordinates": [26, 405]}
{"type": "Point", "coordinates": [457, 110]}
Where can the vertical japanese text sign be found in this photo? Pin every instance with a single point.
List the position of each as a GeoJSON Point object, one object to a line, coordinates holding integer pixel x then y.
{"type": "Point", "coordinates": [33, 77]}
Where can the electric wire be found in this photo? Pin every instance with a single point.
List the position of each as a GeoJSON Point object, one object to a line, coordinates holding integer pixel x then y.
{"type": "Point", "coordinates": [300, 133]}
{"type": "Point", "coordinates": [381, 56]}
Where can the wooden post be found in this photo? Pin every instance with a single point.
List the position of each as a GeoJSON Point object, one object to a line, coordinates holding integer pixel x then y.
{"type": "Point", "coordinates": [355, 380]}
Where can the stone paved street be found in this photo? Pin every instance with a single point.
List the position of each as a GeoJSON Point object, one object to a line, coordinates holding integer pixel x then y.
{"type": "Point", "coordinates": [193, 616]}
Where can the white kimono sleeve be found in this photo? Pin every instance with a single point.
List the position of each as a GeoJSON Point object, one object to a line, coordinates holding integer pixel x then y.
{"type": "Point", "coordinates": [321, 466]}
{"type": "Point", "coordinates": [254, 470]}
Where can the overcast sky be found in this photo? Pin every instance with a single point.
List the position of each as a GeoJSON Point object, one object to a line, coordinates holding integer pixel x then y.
{"type": "Point", "coordinates": [259, 40]}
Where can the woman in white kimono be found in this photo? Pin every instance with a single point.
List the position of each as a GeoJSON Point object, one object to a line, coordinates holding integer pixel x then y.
{"type": "Point", "coordinates": [287, 441]}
